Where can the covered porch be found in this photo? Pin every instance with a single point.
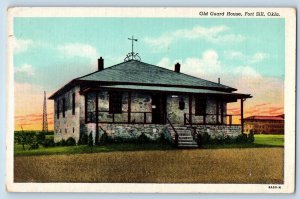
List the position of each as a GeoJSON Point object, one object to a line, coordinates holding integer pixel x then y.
{"type": "Point", "coordinates": [132, 104]}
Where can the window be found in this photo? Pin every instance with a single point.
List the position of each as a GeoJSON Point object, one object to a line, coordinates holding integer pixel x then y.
{"type": "Point", "coordinates": [73, 103]}
{"type": "Point", "coordinates": [64, 107]}
{"type": "Point", "coordinates": [57, 109]}
{"type": "Point", "coordinates": [115, 102]}
{"type": "Point", "coordinates": [200, 105]}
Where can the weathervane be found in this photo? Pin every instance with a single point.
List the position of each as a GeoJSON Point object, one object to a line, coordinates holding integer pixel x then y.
{"type": "Point", "coordinates": [132, 55]}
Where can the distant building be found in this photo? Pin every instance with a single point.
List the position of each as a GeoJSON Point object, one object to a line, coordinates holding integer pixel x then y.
{"type": "Point", "coordinates": [264, 124]}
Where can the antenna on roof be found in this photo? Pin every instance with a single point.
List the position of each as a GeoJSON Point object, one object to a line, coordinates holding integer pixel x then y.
{"type": "Point", "coordinates": [132, 55]}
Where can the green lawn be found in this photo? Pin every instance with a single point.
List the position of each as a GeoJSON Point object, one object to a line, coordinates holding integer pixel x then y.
{"type": "Point", "coordinates": [269, 140]}
{"type": "Point", "coordinates": [260, 141]}
{"type": "Point", "coordinates": [18, 151]}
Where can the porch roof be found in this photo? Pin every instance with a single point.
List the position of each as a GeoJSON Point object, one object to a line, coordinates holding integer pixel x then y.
{"type": "Point", "coordinates": [174, 90]}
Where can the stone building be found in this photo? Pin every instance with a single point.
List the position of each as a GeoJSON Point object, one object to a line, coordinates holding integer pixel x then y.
{"type": "Point", "coordinates": [134, 97]}
{"type": "Point", "coordinates": [265, 124]}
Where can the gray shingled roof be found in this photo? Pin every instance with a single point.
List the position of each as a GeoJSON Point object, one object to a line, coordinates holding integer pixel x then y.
{"type": "Point", "coordinates": [140, 72]}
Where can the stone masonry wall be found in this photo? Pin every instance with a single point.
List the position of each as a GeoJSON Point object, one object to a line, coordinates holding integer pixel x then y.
{"type": "Point", "coordinates": [68, 126]}
{"type": "Point", "coordinates": [128, 131]}
{"type": "Point", "coordinates": [219, 131]}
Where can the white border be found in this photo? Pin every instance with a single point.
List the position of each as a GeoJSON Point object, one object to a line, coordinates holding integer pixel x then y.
{"type": "Point", "coordinates": [289, 104]}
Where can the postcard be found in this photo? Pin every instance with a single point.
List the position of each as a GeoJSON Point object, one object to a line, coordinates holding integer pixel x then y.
{"type": "Point", "coordinates": [151, 100]}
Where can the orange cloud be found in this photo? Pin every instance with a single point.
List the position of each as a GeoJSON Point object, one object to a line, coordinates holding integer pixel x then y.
{"type": "Point", "coordinates": [29, 107]}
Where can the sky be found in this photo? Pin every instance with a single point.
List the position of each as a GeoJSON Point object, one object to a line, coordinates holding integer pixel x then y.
{"type": "Point", "coordinates": [247, 54]}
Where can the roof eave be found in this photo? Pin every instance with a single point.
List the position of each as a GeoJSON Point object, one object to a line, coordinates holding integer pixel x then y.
{"type": "Point", "coordinates": [59, 91]}
{"type": "Point", "coordinates": [227, 89]}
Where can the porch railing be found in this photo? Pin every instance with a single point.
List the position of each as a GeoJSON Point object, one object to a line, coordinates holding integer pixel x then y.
{"type": "Point", "coordinates": [127, 118]}
{"type": "Point", "coordinates": [213, 119]}
{"type": "Point", "coordinates": [175, 132]}
{"type": "Point", "coordinates": [194, 129]}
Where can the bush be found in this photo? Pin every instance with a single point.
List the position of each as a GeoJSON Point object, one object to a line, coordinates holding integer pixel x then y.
{"type": "Point", "coordinates": [242, 138]}
{"type": "Point", "coordinates": [83, 139]}
{"type": "Point", "coordinates": [121, 140]}
{"type": "Point", "coordinates": [229, 140]}
{"type": "Point", "coordinates": [34, 146]}
{"type": "Point", "coordinates": [97, 140]}
{"type": "Point", "coordinates": [40, 136]}
{"type": "Point", "coordinates": [61, 143]}
{"type": "Point", "coordinates": [143, 139]}
{"type": "Point", "coordinates": [49, 143]}
{"type": "Point", "coordinates": [70, 142]}
{"type": "Point", "coordinates": [205, 138]}
{"type": "Point", "coordinates": [251, 137]}
{"type": "Point", "coordinates": [90, 139]}
{"type": "Point", "coordinates": [163, 139]}
{"type": "Point", "coordinates": [103, 139]}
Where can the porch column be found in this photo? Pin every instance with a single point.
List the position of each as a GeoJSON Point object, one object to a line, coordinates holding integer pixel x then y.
{"type": "Point", "coordinates": [97, 120]}
{"type": "Point", "coordinates": [242, 114]}
{"type": "Point", "coordinates": [129, 107]}
{"type": "Point", "coordinates": [190, 109]}
{"type": "Point", "coordinates": [217, 110]}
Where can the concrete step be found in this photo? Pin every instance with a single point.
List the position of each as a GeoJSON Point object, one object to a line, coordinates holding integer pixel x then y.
{"type": "Point", "coordinates": [187, 142]}
{"type": "Point", "coordinates": [185, 138]}
{"type": "Point", "coordinates": [180, 128]}
{"type": "Point", "coordinates": [188, 146]}
{"type": "Point", "coordinates": [184, 134]}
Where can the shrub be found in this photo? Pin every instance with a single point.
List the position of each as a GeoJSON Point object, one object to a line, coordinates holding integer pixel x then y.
{"type": "Point", "coordinates": [168, 139]}
{"type": "Point", "coordinates": [34, 146]}
{"type": "Point", "coordinates": [103, 139]}
{"type": "Point", "coordinates": [97, 140]}
{"type": "Point", "coordinates": [163, 139]}
{"type": "Point", "coordinates": [70, 142]}
{"type": "Point", "coordinates": [90, 139]}
{"type": "Point", "coordinates": [40, 136]}
{"type": "Point", "coordinates": [205, 138]}
{"type": "Point", "coordinates": [143, 139]}
{"type": "Point", "coordinates": [61, 143]}
{"type": "Point", "coordinates": [83, 139]}
{"type": "Point", "coordinates": [229, 140]}
{"type": "Point", "coordinates": [250, 137]}
{"type": "Point", "coordinates": [242, 138]}
{"type": "Point", "coordinates": [49, 143]}
{"type": "Point", "coordinates": [122, 140]}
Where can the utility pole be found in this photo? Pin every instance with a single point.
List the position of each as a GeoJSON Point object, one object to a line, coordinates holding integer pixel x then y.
{"type": "Point", "coordinates": [45, 121]}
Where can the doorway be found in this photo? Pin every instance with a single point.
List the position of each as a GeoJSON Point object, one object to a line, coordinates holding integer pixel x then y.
{"type": "Point", "coordinates": [158, 108]}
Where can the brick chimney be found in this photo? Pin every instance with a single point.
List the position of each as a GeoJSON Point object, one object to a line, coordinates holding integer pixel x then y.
{"type": "Point", "coordinates": [100, 64]}
{"type": "Point", "coordinates": [177, 68]}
